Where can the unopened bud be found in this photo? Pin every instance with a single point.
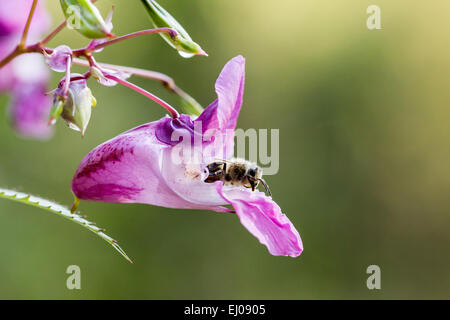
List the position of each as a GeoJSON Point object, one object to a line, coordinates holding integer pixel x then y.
{"type": "Point", "coordinates": [182, 41]}
{"type": "Point", "coordinates": [190, 106]}
{"type": "Point", "coordinates": [96, 73]}
{"type": "Point", "coordinates": [84, 17]}
{"type": "Point", "coordinates": [56, 111]}
{"type": "Point", "coordinates": [102, 76]}
{"type": "Point", "coordinates": [77, 106]}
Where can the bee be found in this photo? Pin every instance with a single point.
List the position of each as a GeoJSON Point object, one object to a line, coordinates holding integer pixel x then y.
{"type": "Point", "coordinates": [236, 172]}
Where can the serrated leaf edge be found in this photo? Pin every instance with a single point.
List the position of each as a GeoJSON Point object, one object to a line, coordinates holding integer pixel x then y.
{"type": "Point", "coordinates": [61, 211]}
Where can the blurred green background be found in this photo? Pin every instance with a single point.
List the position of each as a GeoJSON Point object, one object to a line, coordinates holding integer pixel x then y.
{"type": "Point", "coordinates": [364, 173]}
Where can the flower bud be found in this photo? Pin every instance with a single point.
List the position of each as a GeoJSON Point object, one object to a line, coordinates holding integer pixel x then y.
{"type": "Point", "coordinates": [75, 109]}
{"type": "Point", "coordinates": [182, 41]}
{"type": "Point", "coordinates": [84, 17]}
{"type": "Point", "coordinates": [56, 111]}
{"type": "Point", "coordinates": [58, 59]}
{"type": "Point", "coordinates": [100, 76]}
{"type": "Point", "coordinates": [189, 105]}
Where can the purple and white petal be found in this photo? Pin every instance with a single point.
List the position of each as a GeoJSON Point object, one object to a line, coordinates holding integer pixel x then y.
{"type": "Point", "coordinates": [116, 73]}
{"type": "Point", "coordinates": [96, 42]}
{"type": "Point", "coordinates": [222, 114]}
{"type": "Point", "coordinates": [263, 218]}
{"type": "Point", "coordinates": [128, 169]}
{"type": "Point", "coordinates": [164, 163]}
{"type": "Point", "coordinates": [59, 58]}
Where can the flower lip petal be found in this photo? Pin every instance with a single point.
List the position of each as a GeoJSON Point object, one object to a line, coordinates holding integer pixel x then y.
{"type": "Point", "coordinates": [124, 169]}
{"type": "Point", "coordinates": [184, 172]}
{"type": "Point", "coordinates": [128, 169]}
{"type": "Point", "coordinates": [263, 218]}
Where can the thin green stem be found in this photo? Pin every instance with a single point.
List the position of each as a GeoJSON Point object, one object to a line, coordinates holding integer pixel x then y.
{"type": "Point", "coordinates": [67, 80]}
{"type": "Point", "coordinates": [165, 80]}
{"type": "Point", "coordinates": [169, 31]}
{"type": "Point", "coordinates": [37, 48]}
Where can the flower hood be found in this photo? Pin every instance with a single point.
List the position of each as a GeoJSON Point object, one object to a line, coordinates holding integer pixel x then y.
{"type": "Point", "coordinates": [163, 163]}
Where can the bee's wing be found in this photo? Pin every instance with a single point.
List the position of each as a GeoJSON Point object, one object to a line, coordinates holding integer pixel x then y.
{"type": "Point", "coordinates": [215, 166]}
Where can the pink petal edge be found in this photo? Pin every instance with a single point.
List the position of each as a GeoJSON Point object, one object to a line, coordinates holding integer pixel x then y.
{"type": "Point", "coordinates": [263, 218]}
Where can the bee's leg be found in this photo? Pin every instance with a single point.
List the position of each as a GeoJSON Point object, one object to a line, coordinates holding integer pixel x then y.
{"type": "Point", "coordinates": [252, 184]}
{"type": "Point", "coordinates": [266, 187]}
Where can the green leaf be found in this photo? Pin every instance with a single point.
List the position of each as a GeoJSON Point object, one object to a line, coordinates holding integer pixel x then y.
{"type": "Point", "coordinates": [60, 211]}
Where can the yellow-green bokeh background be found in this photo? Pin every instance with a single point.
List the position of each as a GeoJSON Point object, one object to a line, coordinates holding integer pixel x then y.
{"type": "Point", "coordinates": [364, 159]}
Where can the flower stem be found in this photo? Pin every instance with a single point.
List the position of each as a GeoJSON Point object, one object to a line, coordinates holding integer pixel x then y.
{"type": "Point", "coordinates": [170, 31]}
{"type": "Point", "coordinates": [27, 25]}
{"type": "Point", "coordinates": [10, 57]}
{"type": "Point", "coordinates": [67, 80]}
{"type": "Point", "coordinates": [174, 113]}
{"type": "Point", "coordinates": [165, 80]}
{"type": "Point", "coordinates": [36, 48]}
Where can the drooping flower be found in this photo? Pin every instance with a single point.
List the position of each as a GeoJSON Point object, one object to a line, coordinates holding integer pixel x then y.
{"type": "Point", "coordinates": [164, 163]}
{"type": "Point", "coordinates": [24, 78]}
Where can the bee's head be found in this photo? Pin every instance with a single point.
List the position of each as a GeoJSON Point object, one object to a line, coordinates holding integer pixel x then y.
{"type": "Point", "coordinates": [255, 172]}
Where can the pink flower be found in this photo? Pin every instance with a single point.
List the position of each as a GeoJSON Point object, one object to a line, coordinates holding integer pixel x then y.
{"type": "Point", "coordinates": [25, 78]}
{"type": "Point", "coordinates": [29, 112]}
{"type": "Point", "coordinates": [148, 165]}
{"type": "Point", "coordinates": [14, 14]}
